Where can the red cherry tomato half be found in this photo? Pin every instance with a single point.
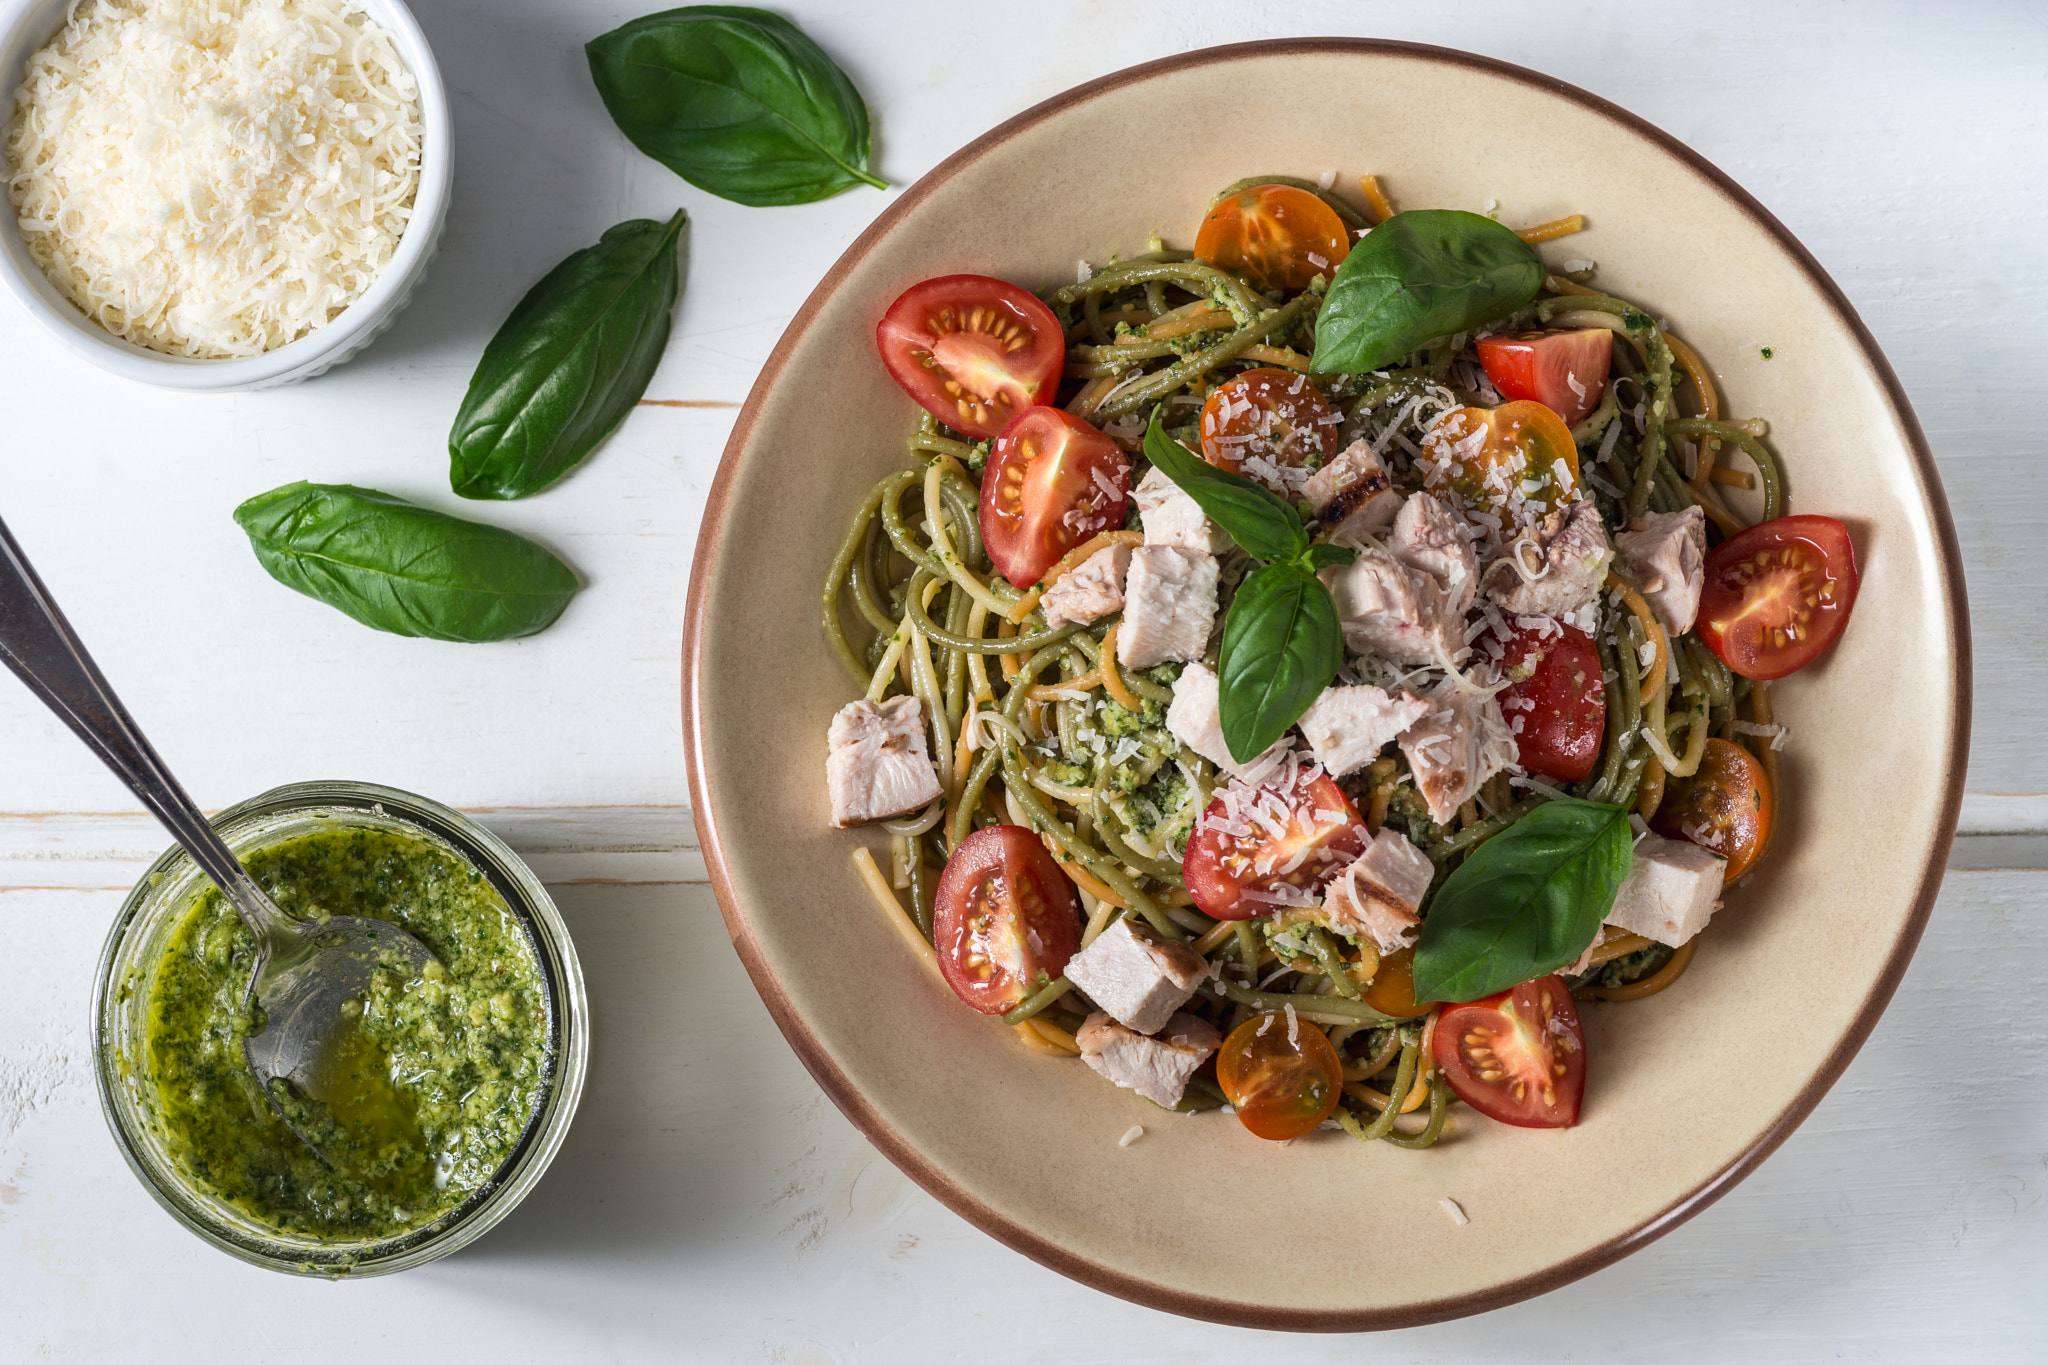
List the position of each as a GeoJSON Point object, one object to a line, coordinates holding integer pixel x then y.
{"type": "Point", "coordinates": [1557, 707]}
{"type": "Point", "coordinates": [973, 351]}
{"type": "Point", "coordinates": [1778, 594]}
{"type": "Point", "coordinates": [1282, 1077]}
{"type": "Point", "coordinates": [1006, 919]}
{"type": "Point", "coordinates": [1519, 1057]}
{"type": "Point", "coordinates": [1488, 455]}
{"type": "Point", "coordinates": [1726, 806]}
{"type": "Point", "coordinates": [1052, 482]}
{"type": "Point", "coordinates": [1320, 833]}
{"type": "Point", "coordinates": [1564, 371]}
{"type": "Point", "coordinates": [1276, 236]}
{"type": "Point", "coordinates": [1268, 414]}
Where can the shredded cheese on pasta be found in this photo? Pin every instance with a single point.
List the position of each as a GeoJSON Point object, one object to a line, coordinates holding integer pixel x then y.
{"type": "Point", "coordinates": [214, 178]}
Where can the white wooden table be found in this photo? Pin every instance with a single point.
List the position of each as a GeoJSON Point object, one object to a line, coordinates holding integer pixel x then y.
{"type": "Point", "coordinates": [710, 1204]}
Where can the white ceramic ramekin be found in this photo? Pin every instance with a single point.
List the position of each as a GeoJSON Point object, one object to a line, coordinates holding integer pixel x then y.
{"type": "Point", "coordinates": [26, 25]}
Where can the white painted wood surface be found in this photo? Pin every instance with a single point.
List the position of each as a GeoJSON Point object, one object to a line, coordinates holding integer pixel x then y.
{"type": "Point", "coordinates": [710, 1204]}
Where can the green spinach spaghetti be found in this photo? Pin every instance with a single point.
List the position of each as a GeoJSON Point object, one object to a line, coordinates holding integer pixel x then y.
{"type": "Point", "coordinates": [1294, 669]}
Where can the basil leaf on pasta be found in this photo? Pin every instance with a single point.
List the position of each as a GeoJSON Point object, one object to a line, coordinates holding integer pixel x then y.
{"type": "Point", "coordinates": [1525, 903]}
{"type": "Point", "coordinates": [1420, 275]}
{"type": "Point", "coordinates": [737, 101]}
{"type": "Point", "coordinates": [569, 363]}
{"type": "Point", "coordinates": [1281, 647]}
{"type": "Point", "coordinates": [406, 569]}
{"type": "Point", "coordinates": [1263, 522]}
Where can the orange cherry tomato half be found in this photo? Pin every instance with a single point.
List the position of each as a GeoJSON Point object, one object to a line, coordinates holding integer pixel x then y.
{"type": "Point", "coordinates": [1392, 988]}
{"type": "Point", "coordinates": [1564, 371]}
{"type": "Point", "coordinates": [1556, 703]}
{"type": "Point", "coordinates": [1276, 236]}
{"type": "Point", "coordinates": [1006, 919]}
{"type": "Point", "coordinates": [1519, 1057]}
{"type": "Point", "coordinates": [1234, 864]}
{"type": "Point", "coordinates": [1281, 1076]}
{"type": "Point", "coordinates": [1778, 594]}
{"type": "Point", "coordinates": [1052, 482]}
{"type": "Point", "coordinates": [1267, 414]}
{"type": "Point", "coordinates": [1726, 806]}
{"type": "Point", "coordinates": [1504, 458]}
{"type": "Point", "coordinates": [973, 351]}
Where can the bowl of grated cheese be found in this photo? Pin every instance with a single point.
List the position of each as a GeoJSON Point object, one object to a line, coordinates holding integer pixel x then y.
{"type": "Point", "coordinates": [219, 194]}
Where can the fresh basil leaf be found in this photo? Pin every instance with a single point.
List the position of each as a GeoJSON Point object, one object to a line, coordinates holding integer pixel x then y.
{"type": "Point", "coordinates": [406, 569]}
{"type": "Point", "coordinates": [569, 364]}
{"type": "Point", "coordinates": [1422, 274]}
{"type": "Point", "coordinates": [1323, 554]}
{"type": "Point", "coordinates": [1263, 522]}
{"type": "Point", "coordinates": [1526, 903]}
{"type": "Point", "coordinates": [736, 101]}
{"type": "Point", "coordinates": [1281, 647]}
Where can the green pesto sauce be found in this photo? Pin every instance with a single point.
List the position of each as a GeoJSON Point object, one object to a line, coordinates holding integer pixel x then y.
{"type": "Point", "coordinates": [418, 1108]}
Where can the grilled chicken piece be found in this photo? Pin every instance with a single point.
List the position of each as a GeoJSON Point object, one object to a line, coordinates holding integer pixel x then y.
{"type": "Point", "coordinates": [1169, 606]}
{"type": "Point", "coordinates": [1156, 1067]}
{"type": "Point", "coordinates": [876, 766]}
{"type": "Point", "coordinates": [1138, 979]}
{"type": "Point", "coordinates": [1667, 552]}
{"type": "Point", "coordinates": [1573, 546]}
{"type": "Point", "coordinates": [1379, 896]}
{"type": "Point", "coordinates": [1092, 588]}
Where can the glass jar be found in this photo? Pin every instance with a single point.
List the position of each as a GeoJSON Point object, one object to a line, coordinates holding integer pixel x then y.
{"type": "Point", "coordinates": [137, 944]}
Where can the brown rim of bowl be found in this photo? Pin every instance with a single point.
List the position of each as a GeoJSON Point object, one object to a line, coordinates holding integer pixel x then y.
{"type": "Point", "coordinates": [1107, 1278]}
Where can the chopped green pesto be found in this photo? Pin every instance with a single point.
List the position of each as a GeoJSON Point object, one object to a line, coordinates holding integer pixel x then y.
{"type": "Point", "coordinates": [419, 1107]}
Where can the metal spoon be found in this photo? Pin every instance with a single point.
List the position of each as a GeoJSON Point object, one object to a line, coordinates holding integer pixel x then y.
{"type": "Point", "coordinates": [305, 973]}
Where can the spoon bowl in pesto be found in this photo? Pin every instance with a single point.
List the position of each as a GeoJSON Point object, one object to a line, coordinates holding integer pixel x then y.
{"type": "Point", "coordinates": [305, 995]}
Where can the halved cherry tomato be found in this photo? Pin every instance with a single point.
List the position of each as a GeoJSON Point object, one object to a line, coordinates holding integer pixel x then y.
{"type": "Point", "coordinates": [1564, 371]}
{"type": "Point", "coordinates": [1392, 988]}
{"type": "Point", "coordinates": [1227, 873]}
{"type": "Point", "coordinates": [973, 351]}
{"type": "Point", "coordinates": [1557, 706]}
{"type": "Point", "coordinates": [1778, 594]}
{"type": "Point", "coordinates": [1281, 1076]}
{"type": "Point", "coordinates": [1052, 482]}
{"type": "Point", "coordinates": [1726, 806]}
{"type": "Point", "coordinates": [1006, 919]}
{"type": "Point", "coordinates": [1268, 414]}
{"type": "Point", "coordinates": [1276, 236]}
{"type": "Point", "coordinates": [1504, 457]}
{"type": "Point", "coordinates": [1519, 1057]}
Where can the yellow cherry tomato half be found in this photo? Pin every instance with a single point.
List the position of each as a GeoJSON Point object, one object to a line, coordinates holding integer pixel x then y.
{"type": "Point", "coordinates": [1518, 457]}
{"type": "Point", "coordinates": [1276, 236]}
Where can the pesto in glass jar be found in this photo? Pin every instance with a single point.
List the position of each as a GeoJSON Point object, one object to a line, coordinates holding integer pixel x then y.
{"type": "Point", "coordinates": [418, 1109]}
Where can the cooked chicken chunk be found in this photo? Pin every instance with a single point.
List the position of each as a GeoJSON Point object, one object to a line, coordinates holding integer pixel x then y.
{"type": "Point", "coordinates": [1392, 610]}
{"type": "Point", "coordinates": [876, 766]}
{"type": "Point", "coordinates": [1453, 750]}
{"type": "Point", "coordinates": [1171, 517]}
{"type": "Point", "coordinates": [1138, 978]}
{"type": "Point", "coordinates": [1672, 889]}
{"type": "Point", "coordinates": [1092, 588]}
{"type": "Point", "coordinates": [1427, 536]}
{"type": "Point", "coordinates": [1572, 547]}
{"type": "Point", "coordinates": [1667, 552]}
{"type": "Point", "coordinates": [1378, 897]}
{"type": "Point", "coordinates": [1353, 495]}
{"type": "Point", "coordinates": [1348, 726]}
{"type": "Point", "coordinates": [1157, 1067]}
{"type": "Point", "coordinates": [1169, 605]}
{"type": "Point", "coordinates": [1196, 720]}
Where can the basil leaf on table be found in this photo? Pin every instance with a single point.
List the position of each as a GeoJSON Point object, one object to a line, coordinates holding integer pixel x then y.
{"type": "Point", "coordinates": [1263, 522]}
{"type": "Point", "coordinates": [1525, 903]}
{"type": "Point", "coordinates": [1281, 647]}
{"type": "Point", "coordinates": [569, 364]}
{"type": "Point", "coordinates": [406, 569]}
{"type": "Point", "coordinates": [1422, 274]}
{"type": "Point", "coordinates": [736, 101]}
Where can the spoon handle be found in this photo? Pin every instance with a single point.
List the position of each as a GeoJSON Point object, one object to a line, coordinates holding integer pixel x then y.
{"type": "Point", "coordinates": [39, 645]}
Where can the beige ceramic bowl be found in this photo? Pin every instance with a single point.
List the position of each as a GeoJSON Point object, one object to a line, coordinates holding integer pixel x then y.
{"type": "Point", "coordinates": [1687, 1091]}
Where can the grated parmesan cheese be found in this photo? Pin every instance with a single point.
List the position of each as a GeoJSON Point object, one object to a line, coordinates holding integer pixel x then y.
{"type": "Point", "coordinates": [214, 178]}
